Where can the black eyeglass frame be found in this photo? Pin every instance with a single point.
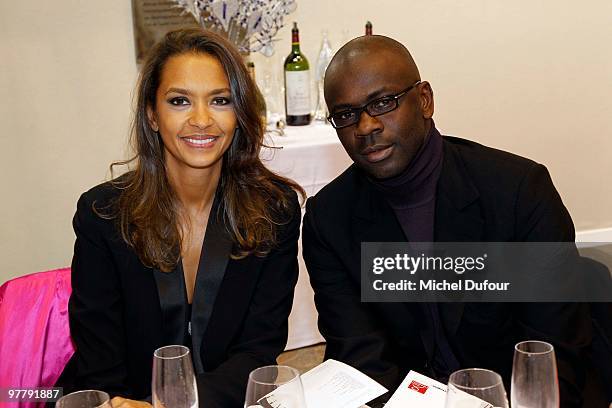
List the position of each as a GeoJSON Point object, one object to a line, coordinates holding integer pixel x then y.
{"type": "Point", "coordinates": [360, 109]}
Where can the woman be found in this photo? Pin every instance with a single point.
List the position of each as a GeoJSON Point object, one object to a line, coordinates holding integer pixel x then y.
{"type": "Point", "coordinates": [196, 245]}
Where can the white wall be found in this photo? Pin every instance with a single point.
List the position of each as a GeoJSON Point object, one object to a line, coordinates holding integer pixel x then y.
{"type": "Point", "coordinates": [66, 79]}
{"type": "Point", "coordinates": [528, 76]}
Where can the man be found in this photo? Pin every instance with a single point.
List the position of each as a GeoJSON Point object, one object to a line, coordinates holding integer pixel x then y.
{"type": "Point", "coordinates": [409, 183]}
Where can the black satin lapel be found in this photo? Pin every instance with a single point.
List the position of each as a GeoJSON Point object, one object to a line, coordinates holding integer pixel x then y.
{"type": "Point", "coordinates": [215, 255]}
{"type": "Point", "coordinates": [171, 292]}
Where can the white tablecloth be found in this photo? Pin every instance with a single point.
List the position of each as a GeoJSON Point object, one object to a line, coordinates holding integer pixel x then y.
{"type": "Point", "coordinates": [312, 156]}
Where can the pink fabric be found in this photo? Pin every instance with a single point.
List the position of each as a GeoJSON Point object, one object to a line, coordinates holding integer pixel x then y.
{"type": "Point", "coordinates": [35, 343]}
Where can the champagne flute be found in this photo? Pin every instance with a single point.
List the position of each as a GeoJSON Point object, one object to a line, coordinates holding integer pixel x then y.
{"type": "Point", "coordinates": [84, 399]}
{"type": "Point", "coordinates": [534, 376]}
{"type": "Point", "coordinates": [467, 386]}
{"type": "Point", "coordinates": [275, 386]}
{"type": "Point", "coordinates": [174, 383]}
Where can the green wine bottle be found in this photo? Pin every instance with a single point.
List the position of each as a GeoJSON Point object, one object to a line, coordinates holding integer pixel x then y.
{"type": "Point", "coordinates": [297, 84]}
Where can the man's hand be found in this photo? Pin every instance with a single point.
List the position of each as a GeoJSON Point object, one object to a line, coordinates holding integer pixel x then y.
{"type": "Point", "coordinates": [119, 402]}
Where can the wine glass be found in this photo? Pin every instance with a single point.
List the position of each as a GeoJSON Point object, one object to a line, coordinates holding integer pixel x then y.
{"type": "Point", "coordinates": [174, 383]}
{"type": "Point", "coordinates": [486, 385]}
{"type": "Point", "coordinates": [277, 386]}
{"type": "Point", "coordinates": [84, 399]}
{"type": "Point", "coordinates": [534, 376]}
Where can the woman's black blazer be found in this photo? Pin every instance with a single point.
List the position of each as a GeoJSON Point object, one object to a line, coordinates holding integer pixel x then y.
{"type": "Point", "coordinates": [121, 311]}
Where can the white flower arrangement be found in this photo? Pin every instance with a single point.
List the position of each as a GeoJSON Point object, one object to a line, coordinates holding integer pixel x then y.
{"type": "Point", "coordinates": [250, 24]}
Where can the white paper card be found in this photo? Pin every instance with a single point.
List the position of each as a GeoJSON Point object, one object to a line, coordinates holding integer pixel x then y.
{"type": "Point", "coordinates": [332, 384]}
{"type": "Point", "coordinates": [418, 391]}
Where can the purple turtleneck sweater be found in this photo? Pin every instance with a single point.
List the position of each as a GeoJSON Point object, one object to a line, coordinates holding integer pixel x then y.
{"type": "Point", "coordinates": [412, 196]}
{"type": "Point", "coordinates": [412, 193]}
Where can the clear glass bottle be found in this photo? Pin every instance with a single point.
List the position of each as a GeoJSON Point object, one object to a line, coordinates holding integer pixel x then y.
{"type": "Point", "coordinates": [325, 55]}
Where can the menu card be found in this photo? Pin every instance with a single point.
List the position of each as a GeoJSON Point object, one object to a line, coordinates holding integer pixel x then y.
{"type": "Point", "coordinates": [419, 391]}
{"type": "Point", "coordinates": [331, 384]}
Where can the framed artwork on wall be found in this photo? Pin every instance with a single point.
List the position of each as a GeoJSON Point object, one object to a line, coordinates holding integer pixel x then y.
{"type": "Point", "coordinates": [152, 19]}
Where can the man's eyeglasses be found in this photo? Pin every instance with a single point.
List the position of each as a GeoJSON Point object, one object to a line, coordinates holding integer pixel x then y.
{"type": "Point", "coordinates": [376, 107]}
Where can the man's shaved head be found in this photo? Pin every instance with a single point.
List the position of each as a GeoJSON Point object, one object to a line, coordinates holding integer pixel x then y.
{"type": "Point", "coordinates": [362, 50]}
{"type": "Point", "coordinates": [367, 73]}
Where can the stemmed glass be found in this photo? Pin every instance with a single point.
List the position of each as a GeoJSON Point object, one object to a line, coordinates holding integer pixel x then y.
{"type": "Point", "coordinates": [534, 376]}
{"type": "Point", "coordinates": [275, 386]}
{"type": "Point", "coordinates": [174, 383]}
{"type": "Point", "coordinates": [84, 399]}
{"type": "Point", "coordinates": [464, 385]}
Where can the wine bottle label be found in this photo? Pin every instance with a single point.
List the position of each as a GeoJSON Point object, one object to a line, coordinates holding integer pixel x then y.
{"type": "Point", "coordinates": [297, 87]}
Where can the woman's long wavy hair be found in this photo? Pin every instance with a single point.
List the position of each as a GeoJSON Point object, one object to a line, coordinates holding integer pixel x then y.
{"type": "Point", "coordinates": [255, 201]}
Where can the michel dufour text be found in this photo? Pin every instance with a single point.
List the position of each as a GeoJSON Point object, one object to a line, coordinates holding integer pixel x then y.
{"type": "Point", "coordinates": [413, 264]}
